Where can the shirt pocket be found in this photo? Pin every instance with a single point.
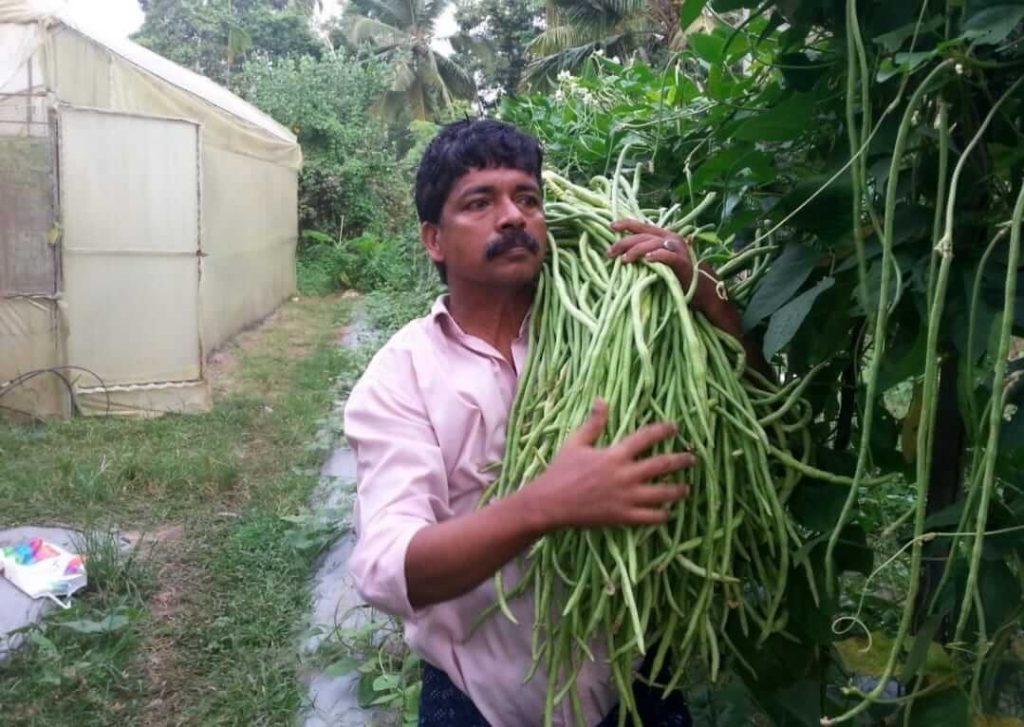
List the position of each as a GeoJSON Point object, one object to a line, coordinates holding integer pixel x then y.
{"type": "Point", "coordinates": [470, 418]}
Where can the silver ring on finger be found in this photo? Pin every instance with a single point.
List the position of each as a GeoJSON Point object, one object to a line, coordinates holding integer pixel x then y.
{"type": "Point", "coordinates": [670, 245]}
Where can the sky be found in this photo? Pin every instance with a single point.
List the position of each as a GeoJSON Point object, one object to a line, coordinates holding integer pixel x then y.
{"type": "Point", "coordinates": [118, 18]}
{"type": "Point", "coordinates": [121, 18]}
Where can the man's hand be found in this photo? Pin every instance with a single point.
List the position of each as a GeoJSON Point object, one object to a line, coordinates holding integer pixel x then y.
{"type": "Point", "coordinates": [587, 486]}
{"type": "Point", "coordinates": [655, 244]}
{"type": "Point", "coordinates": [652, 243]}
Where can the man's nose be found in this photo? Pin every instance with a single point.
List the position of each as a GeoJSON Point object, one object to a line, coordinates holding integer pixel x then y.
{"type": "Point", "coordinates": [510, 216]}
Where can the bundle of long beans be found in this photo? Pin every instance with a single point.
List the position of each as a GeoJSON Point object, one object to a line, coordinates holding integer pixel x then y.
{"type": "Point", "coordinates": [627, 334]}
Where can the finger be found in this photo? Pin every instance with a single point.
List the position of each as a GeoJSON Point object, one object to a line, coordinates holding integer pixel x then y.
{"type": "Point", "coordinates": [641, 249]}
{"type": "Point", "coordinates": [626, 243]}
{"type": "Point", "coordinates": [663, 464]}
{"type": "Point", "coordinates": [646, 516]}
{"type": "Point", "coordinates": [637, 228]}
{"type": "Point", "coordinates": [644, 438]}
{"type": "Point", "coordinates": [654, 495]}
{"type": "Point", "coordinates": [590, 431]}
{"type": "Point", "coordinates": [680, 262]}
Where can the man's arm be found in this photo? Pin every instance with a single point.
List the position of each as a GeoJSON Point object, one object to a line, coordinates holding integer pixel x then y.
{"type": "Point", "coordinates": [411, 552]}
{"type": "Point", "coordinates": [585, 486]}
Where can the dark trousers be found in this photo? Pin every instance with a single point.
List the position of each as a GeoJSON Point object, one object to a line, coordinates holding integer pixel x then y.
{"type": "Point", "coordinates": [442, 704]}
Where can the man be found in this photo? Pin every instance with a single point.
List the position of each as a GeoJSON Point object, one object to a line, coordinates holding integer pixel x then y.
{"type": "Point", "coordinates": [430, 414]}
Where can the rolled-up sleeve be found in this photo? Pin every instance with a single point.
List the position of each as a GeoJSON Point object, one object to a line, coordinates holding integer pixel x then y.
{"type": "Point", "coordinates": [401, 488]}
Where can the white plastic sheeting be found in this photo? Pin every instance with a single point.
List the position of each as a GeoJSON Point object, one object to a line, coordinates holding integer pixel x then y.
{"type": "Point", "coordinates": [23, 110]}
{"type": "Point", "coordinates": [30, 340]}
{"type": "Point", "coordinates": [26, 11]}
{"type": "Point", "coordinates": [249, 232]}
{"type": "Point", "coordinates": [131, 264]}
{"type": "Point", "coordinates": [28, 258]}
{"type": "Point", "coordinates": [129, 294]}
{"type": "Point", "coordinates": [123, 76]}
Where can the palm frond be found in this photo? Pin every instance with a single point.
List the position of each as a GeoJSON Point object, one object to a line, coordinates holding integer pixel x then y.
{"type": "Point", "coordinates": [561, 37]}
{"type": "Point", "coordinates": [417, 101]}
{"type": "Point", "coordinates": [403, 77]}
{"type": "Point", "coordinates": [431, 78]}
{"type": "Point", "coordinates": [600, 12]}
{"type": "Point", "coordinates": [457, 79]}
{"type": "Point", "coordinates": [481, 49]}
{"type": "Point", "coordinates": [542, 71]}
{"type": "Point", "coordinates": [359, 30]}
{"type": "Point", "coordinates": [431, 10]}
{"type": "Point", "coordinates": [393, 12]}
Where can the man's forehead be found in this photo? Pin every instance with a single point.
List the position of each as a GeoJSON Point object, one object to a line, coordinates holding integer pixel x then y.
{"type": "Point", "coordinates": [493, 177]}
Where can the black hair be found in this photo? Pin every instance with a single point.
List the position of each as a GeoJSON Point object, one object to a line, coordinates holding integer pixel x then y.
{"type": "Point", "coordinates": [466, 145]}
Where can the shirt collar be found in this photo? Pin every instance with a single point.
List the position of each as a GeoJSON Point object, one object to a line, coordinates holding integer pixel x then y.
{"type": "Point", "coordinates": [442, 317]}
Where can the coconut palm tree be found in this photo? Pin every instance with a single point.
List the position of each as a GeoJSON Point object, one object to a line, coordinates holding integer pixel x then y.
{"type": "Point", "coordinates": [576, 29]}
{"type": "Point", "coordinates": [403, 31]}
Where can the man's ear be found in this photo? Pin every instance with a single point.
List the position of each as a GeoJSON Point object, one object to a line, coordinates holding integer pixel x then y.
{"type": "Point", "coordinates": [430, 235]}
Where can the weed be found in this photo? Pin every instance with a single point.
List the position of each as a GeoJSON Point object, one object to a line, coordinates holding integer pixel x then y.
{"type": "Point", "coordinates": [202, 629]}
{"type": "Point", "coordinates": [370, 644]}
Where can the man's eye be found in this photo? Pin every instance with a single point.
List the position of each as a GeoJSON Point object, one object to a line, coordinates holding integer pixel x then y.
{"type": "Point", "coordinates": [529, 201]}
{"type": "Point", "coordinates": [476, 204]}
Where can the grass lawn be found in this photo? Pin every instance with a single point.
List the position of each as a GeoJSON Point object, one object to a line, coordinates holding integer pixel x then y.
{"type": "Point", "coordinates": [197, 625]}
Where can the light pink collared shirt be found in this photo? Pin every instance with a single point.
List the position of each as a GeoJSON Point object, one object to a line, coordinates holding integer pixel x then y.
{"type": "Point", "coordinates": [425, 420]}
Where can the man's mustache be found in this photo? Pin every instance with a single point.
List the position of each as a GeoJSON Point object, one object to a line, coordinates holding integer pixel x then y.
{"type": "Point", "coordinates": [509, 241]}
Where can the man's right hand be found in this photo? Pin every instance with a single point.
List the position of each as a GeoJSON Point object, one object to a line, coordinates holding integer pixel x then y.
{"type": "Point", "coordinates": [587, 486]}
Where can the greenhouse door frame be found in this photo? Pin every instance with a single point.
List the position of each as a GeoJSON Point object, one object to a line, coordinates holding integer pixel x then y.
{"type": "Point", "coordinates": [130, 206]}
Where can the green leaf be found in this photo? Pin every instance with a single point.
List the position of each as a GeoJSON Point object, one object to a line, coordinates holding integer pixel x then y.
{"type": "Point", "coordinates": [920, 647]}
{"type": "Point", "coordinates": [1000, 593]}
{"type": "Point", "coordinates": [786, 321]}
{"type": "Point", "coordinates": [341, 667]}
{"type": "Point", "coordinates": [782, 122]}
{"type": "Point", "coordinates": [817, 505]}
{"type": "Point", "coordinates": [801, 73]}
{"type": "Point", "coordinates": [690, 11]}
{"type": "Point", "coordinates": [366, 693]}
{"type": "Point", "coordinates": [725, 6]}
{"type": "Point", "coordinates": [109, 625]}
{"type": "Point", "coordinates": [893, 40]}
{"type": "Point", "coordinates": [948, 708]}
{"type": "Point", "coordinates": [786, 275]}
{"type": "Point", "coordinates": [992, 26]}
{"type": "Point", "coordinates": [740, 161]}
{"type": "Point", "coordinates": [776, 663]}
{"type": "Point", "coordinates": [802, 702]}
{"type": "Point", "coordinates": [385, 682]}
{"type": "Point", "coordinates": [945, 518]}
{"type": "Point", "coordinates": [43, 643]}
{"type": "Point", "coordinates": [904, 360]}
{"type": "Point", "coordinates": [707, 47]}
{"type": "Point", "coordinates": [853, 554]}
{"type": "Point", "coordinates": [903, 63]}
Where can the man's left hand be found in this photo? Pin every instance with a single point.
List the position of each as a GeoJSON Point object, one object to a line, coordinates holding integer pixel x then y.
{"type": "Point", "coordinates": [654, 244]}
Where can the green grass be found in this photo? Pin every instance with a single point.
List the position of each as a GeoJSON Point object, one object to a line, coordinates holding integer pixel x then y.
{"type": "Point", "coordinates": [201, 628]}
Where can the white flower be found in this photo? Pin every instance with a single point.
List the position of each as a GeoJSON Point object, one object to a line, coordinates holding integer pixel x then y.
{"type": "Point", "coordinates": [564, 75]}
{"type": "Point", "coordinates": [599, 53]}
{"type": "Point", "coordinates": [959, 68]}
{"type": "Point", "coordinates": [1009, 411]}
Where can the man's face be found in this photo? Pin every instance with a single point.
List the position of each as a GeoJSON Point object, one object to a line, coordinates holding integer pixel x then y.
{"type": "Point", "coordinates": [492, 229]}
